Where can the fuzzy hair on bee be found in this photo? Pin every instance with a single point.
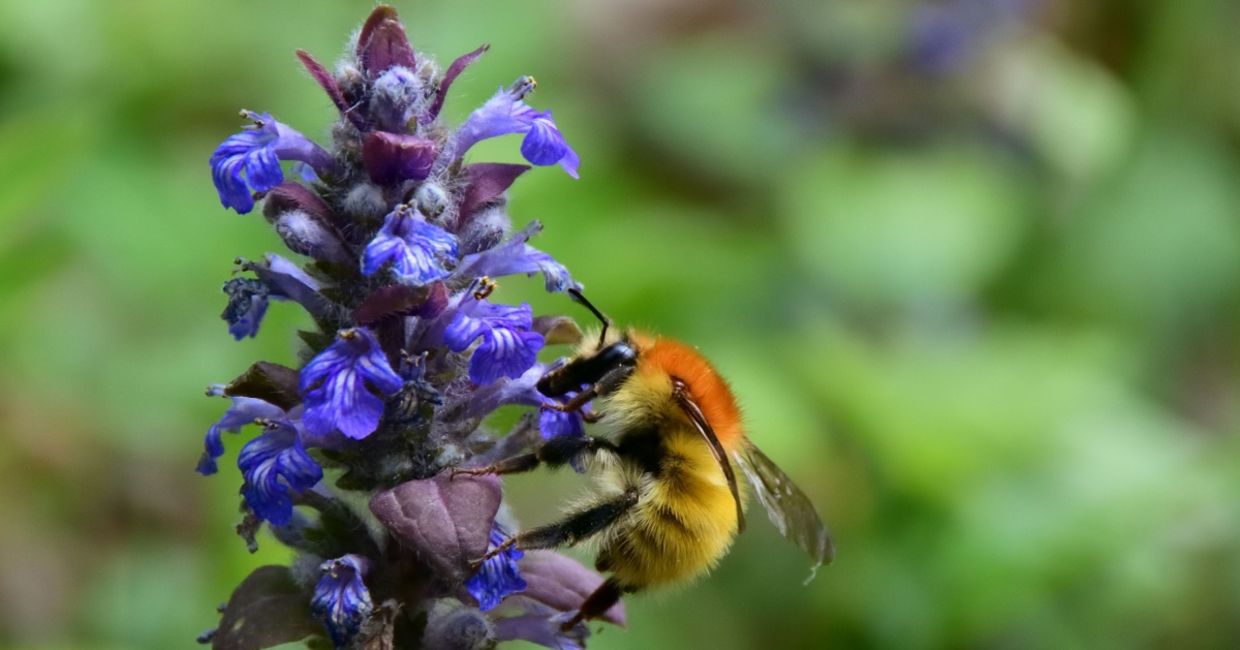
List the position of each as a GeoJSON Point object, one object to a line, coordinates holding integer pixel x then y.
{"type": "Point", "coordinates": [665, 505]}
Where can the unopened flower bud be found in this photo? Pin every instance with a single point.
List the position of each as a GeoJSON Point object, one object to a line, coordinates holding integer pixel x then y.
{"type": "Point", "coordinates": [485, 229]}
{"type": "Point", "coordinates": [394, 99]}
{"type": "Point", "coordinates": [450, 627]}
{"type": "Point", "coordinates": [308, 236]}
{"type": "Point", "coordinates": [351, 81]}
{"type": "Point", "coordinates": [432, 200]}
{"type": "Point", "coordinates": [365, 202]}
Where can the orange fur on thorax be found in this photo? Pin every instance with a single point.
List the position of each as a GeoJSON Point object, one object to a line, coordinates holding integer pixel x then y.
{"type": "Point", "coordinates": [706, 387]}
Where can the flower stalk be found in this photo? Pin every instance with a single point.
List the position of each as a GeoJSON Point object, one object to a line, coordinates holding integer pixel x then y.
{"type": "Point", "coordinates": [400, 242]}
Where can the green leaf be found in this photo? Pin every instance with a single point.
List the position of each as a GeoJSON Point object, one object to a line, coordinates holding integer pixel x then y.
{"type": "Point", "coordinates": [267, 609]}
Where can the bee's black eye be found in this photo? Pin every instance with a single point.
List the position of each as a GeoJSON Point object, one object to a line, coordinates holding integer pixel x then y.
{"type": "Point", "coordinates": [616, 354]}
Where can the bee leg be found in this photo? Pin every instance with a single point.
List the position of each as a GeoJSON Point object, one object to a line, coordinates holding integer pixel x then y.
{"type": "Point", "coordinates": [514, 465]}
{"type": "Point", "coordinates": [577, 527]}
{"type": "Point", "coordinates": [507, 544]}
{"type": "Point", "coordinates": [555, 452]}
{"type": "Point", "coordinates": [597, 603]}
{"type": "Point", "coordinates": [607, 384]}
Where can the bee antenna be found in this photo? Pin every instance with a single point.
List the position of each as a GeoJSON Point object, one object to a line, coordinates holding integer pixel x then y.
{"type": "Point", "coordinates": [577, 295]}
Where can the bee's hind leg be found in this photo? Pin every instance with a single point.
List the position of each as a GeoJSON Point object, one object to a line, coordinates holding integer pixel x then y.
{"type": "Point", "coordinates": [597, 603]}
{"type": "Point", "coordinates": [575, 528]}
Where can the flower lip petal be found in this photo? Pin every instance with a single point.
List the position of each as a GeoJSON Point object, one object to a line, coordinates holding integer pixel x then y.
{"type": "Point", "coordinates": [419, 252]}
{"type": "Point", "coordinates": [504, 353]}
{"type": "Point", "coordinates": [509, 347]}
{"type": "Point", "coordinates": [516, 256]}
{"type": "Point", "coordinates": [570, 162]}
{"type": "Point", "coordinates": [553, 423]}
{"type": "Point", "coordinates": [498, 577]}
{"type": "Point", "coordinates": [242, 411]}
{"type": "Point", "coordinates": [337, 385]}
{"type": "Point", "coordinates": [543, 144]}
{"type": "Point", "coordinates": [506, 112]}
{"type": "Point", "coordinates": [249, 161]}
{"type": "Point", "coordinates": [341, 600]}
{"type": "Point", "coordinates": [275, 465]}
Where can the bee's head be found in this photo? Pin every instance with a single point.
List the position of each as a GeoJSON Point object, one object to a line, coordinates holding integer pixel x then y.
{"type": "Point", "coordinates": [614, 349]}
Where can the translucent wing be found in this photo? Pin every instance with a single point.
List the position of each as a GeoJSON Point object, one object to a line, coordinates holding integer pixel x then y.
{"type": "Point", "coordinates": [787, 506]}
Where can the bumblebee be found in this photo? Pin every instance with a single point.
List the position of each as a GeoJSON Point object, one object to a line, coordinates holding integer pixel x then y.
{"type": "Point", "coordinates": [666, 504]}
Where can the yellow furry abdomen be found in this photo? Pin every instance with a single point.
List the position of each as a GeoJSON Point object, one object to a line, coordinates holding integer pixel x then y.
{"type": "Point", "coordinates": [685, 517]}
{"type": "Point", "coordinates": [683, 523]}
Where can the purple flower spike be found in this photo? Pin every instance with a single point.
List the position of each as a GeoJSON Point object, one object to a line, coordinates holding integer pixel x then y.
{"type": "Point", "coordinates": [509, 346]}
{"type": "Point", "coordinates": [275, 465]}
{"type": "Point", "coordinates": [391, 158]}
{"type": "Point", "coordinates": [516, 256]}
{"type": "Point", "coordinates": [337, 386]}
{"type": "Point", "coordinates": [392, 241]}
{"type": "Point", "coordinates": [498, 577]}
{"type": "Point", "coordinates": [507, 112]}
{"type": "Point", "coordinates": [244, 410]}
{"type": "Point", "coordinates": [416, 249]}
{"type": "Point", "coordinates": [341, 600]}
{"type": "Point", "coordinates": [249, 161]}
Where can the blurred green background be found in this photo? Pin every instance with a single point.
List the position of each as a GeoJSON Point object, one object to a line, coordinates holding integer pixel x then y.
{"type": "Point", "coordinates": [972, 267]}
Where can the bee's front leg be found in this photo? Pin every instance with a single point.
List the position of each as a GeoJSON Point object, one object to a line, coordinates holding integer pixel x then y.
{"type": "Point", "coordinates": [514, 465]}
{"type": "Point", "coordinates": [554, 452]}
{"type": "Point", "coordinates": [607, 384]}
